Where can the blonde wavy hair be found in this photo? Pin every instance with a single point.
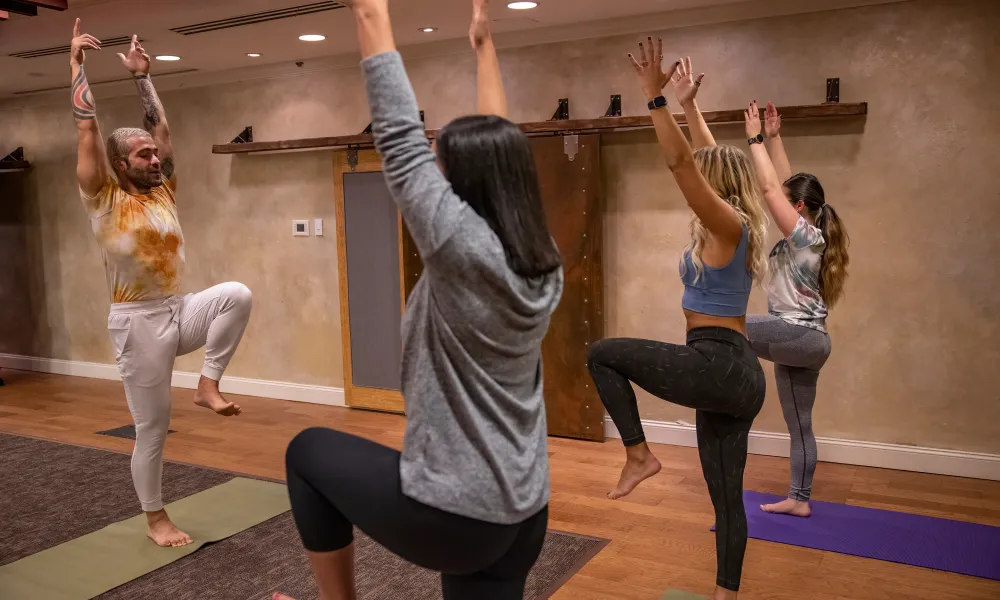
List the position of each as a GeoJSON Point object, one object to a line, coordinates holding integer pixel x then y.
{"type": "Point", "coordinates": [728, 170]}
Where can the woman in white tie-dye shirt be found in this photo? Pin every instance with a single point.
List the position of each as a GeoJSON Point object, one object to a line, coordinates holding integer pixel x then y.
{"type": "Point", "coordinates": [808, 270]}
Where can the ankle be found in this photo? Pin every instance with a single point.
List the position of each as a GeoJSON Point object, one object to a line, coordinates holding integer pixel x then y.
{"type": "Point", "coordinates": [207, 384]}
{"type": "Point", "coordinates": [157, 516]}
{"type": "Point", "coordinates": [639, 452]}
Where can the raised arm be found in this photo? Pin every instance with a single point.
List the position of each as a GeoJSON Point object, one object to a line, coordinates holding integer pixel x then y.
{"type": "Point", "coordinates": [91, 168]}
{"type": "Point", "coordinates": [424, 196]}
{"type": "Point", "coordinates": [772, 128]}
{"type": "Point", "coordinates": [686, 87]}
{"type": "Point", "coordinates": [715, 213]}
{"type": "Point", "coordinates": [491, 97]}
{"type": "Point", "coordinates": [767, 178]}
{"type": "Point", "coordinates": [154, 118]}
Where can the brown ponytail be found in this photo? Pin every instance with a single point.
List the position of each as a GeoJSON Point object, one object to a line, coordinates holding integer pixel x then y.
{"type": "Point", "coordinates": [833, 272]}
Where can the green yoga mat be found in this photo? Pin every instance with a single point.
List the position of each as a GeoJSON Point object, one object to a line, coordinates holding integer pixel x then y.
{"type": "Point", "coordinates": [97, 562]}
{"type": "Point", "coordinates": [679, 595]}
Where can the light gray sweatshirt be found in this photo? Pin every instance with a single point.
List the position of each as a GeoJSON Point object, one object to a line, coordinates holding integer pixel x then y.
{"type": "Point", "coordinates": [472, 334]}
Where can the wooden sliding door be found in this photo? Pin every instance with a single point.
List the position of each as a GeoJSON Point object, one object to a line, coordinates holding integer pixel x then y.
{"type": "Point", "coordinates": [369, 259]}
{"type": "Point", "coordinates": [574, 207]}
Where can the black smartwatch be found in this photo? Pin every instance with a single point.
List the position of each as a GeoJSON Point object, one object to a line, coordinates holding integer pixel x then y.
{"type": "Point", "coordinates": [756, 140]}
{"type": "Point", "coordinates": [658, 102]}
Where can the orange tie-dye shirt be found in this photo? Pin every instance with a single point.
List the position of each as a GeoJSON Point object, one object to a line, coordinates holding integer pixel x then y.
{"type": "Point", "coordinates": [141, 240]}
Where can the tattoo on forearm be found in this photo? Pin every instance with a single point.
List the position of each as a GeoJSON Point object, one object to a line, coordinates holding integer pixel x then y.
{"type": "Point", "coordinates": [152, 109]}
{"type": "Point", "coordinates": [167, 167]}
{"type": "Point", "coordinates": [83, 100]}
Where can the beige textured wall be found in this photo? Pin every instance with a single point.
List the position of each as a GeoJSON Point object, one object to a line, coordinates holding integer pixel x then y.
{"type": "Point", "coordinates": [914, 342]}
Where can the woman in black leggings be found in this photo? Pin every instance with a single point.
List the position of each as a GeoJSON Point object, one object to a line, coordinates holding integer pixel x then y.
{"type": "Point", "coordinates": [468, 495]}
{"type": "Point", "coordinates": [716, 373]}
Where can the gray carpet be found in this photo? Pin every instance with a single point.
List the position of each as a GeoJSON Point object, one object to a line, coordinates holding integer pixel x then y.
{"type": "Point", "coordinates": [60, 492]}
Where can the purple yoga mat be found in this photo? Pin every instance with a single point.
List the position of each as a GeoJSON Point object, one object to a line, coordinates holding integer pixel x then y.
{"type": "Point", "coordinates": [941, 544]}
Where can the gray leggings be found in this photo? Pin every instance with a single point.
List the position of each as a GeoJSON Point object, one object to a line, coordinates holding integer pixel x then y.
{"type": "Point", "coordinates": [798, 353]}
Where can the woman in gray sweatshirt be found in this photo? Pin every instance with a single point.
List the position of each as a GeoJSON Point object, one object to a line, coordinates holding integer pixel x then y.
{"type": "Point", "coordinates": [468, 495]}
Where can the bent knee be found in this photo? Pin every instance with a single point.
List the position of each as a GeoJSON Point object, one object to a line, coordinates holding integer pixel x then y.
{"type": "Point", "coordinates": [599, 352]}
{"type": "Point", "coordinates": [300, 446]}
{"type": "Point", "coordinates": [239, 294]}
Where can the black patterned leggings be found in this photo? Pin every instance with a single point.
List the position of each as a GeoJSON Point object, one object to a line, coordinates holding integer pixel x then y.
{"type": "Point", "coordinates": [718, 375]}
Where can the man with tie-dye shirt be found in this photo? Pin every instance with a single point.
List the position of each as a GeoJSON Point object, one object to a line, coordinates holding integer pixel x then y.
{"type": "Point", "coordinates": [133, 213]}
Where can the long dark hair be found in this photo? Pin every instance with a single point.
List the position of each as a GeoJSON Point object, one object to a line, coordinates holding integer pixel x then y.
{"type": "Point", "coordinates": [833, 272]}
{"type": "Point", "coordinates": [489, 163]}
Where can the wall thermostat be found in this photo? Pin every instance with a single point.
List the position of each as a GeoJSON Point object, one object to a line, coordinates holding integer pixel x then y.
{"type": "Point", "coordinates": [300, 227]}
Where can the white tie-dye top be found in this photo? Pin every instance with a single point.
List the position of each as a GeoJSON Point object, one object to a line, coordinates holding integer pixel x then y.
{"type": "Point", "coordinates": [794, 293]}
{"type": "Point", "coordinates": [141, 240]}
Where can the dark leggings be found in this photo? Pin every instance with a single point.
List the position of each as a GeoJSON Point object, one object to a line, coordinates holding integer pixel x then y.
{"type": "Point", "coordinates": [718, 375]}
{"type": "Point", "coordinates": [337, 481]}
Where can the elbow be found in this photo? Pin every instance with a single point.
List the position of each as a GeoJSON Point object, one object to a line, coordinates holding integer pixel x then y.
{"type": "Point", "coordinates": [770, 188]}
{"type": "Point", "coordinates": [681, 161]}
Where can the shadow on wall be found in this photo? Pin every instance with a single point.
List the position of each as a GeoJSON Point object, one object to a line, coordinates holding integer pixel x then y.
{"type": "Point", "coordinates": [25, 328]}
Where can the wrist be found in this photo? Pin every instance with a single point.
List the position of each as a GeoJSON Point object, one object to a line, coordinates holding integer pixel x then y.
{"type": "Point", "coordinates": [138, 75]}
{"type": "Point", "coordinates": [657, 101]}
{"type": "Point", "coordinates": [689, 105]}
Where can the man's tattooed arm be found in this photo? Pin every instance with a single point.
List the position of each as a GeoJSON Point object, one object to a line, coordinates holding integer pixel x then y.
{"type": "Point", "coordinates": [83, 100]}
{"type": "Point", "coordinates": [91, 168]}
{"type": "Point", "coordinates": [155, 121]}
{"type": "Point", "coordinates": [151, 107]}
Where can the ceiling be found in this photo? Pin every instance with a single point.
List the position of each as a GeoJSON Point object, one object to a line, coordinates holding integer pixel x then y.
{"type": "Point", "coordinates": [276, 40]}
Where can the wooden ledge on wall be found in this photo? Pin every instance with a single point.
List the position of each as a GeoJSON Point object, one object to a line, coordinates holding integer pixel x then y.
{"type": "Point", "coordinates": [566, 127]}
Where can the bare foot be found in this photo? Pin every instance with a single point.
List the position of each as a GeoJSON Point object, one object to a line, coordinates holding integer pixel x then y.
{"type": "Point", "coordinates": [281, 597]}
{"type": "Point", "coordinates": [162, 531]}
{"type": "Point", "coordinates": [639, 465]}
{"type": "Point", "coordinates": [208, 396]}
{"type": "Point", "coordinates": [788, 507]}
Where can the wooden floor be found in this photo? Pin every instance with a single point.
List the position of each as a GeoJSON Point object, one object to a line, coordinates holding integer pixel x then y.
{"type": "Point", "coordinates": [659, 535]}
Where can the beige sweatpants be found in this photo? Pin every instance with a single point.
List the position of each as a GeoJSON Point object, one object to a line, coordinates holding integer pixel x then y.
{"type": "Point", "coordinates": [147, 337]}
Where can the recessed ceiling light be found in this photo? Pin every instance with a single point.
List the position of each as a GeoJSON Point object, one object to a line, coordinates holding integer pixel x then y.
{"type": "Point", "coordinates": [167, 57]}
{"type": "Point", "coordinates": [253, 55]}
{"type": "Point", "coordinates": [312, 37]}
{"type": "Point", "coordinates": [428, 29]}
{"type": "Point", "coordinates": [522, 5]}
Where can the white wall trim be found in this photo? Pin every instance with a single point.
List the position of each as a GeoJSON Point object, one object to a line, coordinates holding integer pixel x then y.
{"type": "Point", "coordinates": [279, 390]}
{"type": "Point", "coordinates": [958, 463]}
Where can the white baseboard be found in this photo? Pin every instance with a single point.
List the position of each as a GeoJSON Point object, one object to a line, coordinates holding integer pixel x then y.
{"type": "Point", "coordinates": [279, 390]}
{"type": "Point", "coordinates": [977, 465]}
{"type": "Point", "coordinates": [851, 452]}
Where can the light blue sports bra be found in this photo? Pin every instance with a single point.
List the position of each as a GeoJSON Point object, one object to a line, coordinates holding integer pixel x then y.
{"type": "Point", "coordinates": [720, 291]}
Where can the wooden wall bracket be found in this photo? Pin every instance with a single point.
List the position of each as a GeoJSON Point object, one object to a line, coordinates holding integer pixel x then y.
{"type": "Point", "coordinates": [562, 113]}
{"type": "Point", "coordinates": [615, 108]}
{"type": "Point", "coordinates": [833, 90]}
{"type": "Point", "coordinates": [14, 161]}
{"type": "Point", "coordinates": [245, 136]}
